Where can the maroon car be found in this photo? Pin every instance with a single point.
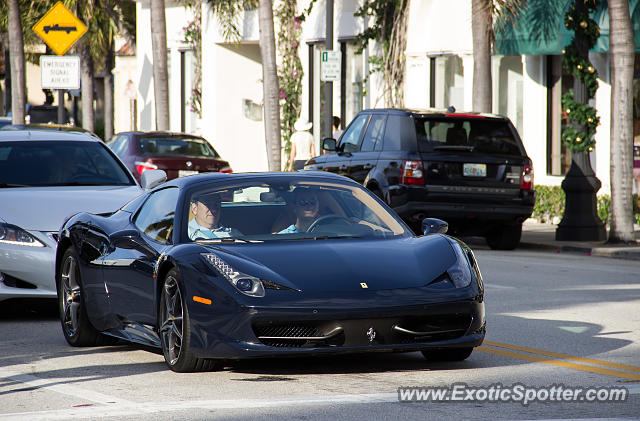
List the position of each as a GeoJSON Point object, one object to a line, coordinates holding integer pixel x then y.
{"type": "Point", "coordinates": [178, 154]}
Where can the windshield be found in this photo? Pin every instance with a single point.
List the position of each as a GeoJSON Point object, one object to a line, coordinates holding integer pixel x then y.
{"type": "Point", "coordinates": [187, 146]}
{"type": "Point", "coordinates": [480, 135]}
{"type": "Point", "coordinates": [59, 163]}
{"type": "Point", "coordinates": [303, 210]}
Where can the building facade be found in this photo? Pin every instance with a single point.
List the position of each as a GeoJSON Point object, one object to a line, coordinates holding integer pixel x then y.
{"type": "Point", "coordinates": [527, 78]}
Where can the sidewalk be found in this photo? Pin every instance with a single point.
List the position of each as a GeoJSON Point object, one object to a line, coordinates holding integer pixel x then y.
{"type": "Point", "coordinates": [542, 236]}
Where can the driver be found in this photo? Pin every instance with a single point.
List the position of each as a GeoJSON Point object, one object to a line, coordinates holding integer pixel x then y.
{"type": "Point", "coordinates": [306, 208]}
{"type": "Point", "coordinates": [206, 211]}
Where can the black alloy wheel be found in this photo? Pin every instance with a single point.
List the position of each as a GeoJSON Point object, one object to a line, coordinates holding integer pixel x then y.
{"type": "Point", "coordinates": [175, 329]}
{"type": "Point", "coordinates": [76, 327]}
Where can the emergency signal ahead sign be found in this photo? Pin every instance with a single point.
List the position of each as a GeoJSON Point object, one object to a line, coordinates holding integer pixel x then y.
{"type": "Point", "coordinates": [59, 28]}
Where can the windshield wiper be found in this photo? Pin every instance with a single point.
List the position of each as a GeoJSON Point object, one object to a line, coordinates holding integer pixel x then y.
{"type": "Point", "coordinates": [228, 240]}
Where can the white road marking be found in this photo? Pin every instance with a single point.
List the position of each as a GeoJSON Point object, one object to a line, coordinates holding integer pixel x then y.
{"type": "Point", "coordinates": [109, 406]}
{"type": "Point", "coordinates": [495, 286]}
{"type": "Point", "coordinates": [65, 389]}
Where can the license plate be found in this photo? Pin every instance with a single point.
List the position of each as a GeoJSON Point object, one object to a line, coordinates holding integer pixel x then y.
{"type": "Point", "coordinates": [474, 170]}
{"type": "Point", "coordinates": [184, 173]}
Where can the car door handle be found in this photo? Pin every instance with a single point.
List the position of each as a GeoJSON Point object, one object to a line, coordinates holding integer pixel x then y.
{"type": "Point", "coordinates": [343, 167]}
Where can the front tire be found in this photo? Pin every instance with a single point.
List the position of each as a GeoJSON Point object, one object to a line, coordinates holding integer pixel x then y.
{"type": "Point", "coordinates": [76, 327]}
{"type": "Point", "coordinates": [175, 329]}
{"type": "Point", "coordinates": [447, 354]}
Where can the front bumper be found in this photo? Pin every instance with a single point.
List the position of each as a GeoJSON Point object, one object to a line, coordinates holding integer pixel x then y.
{"type": "Point", "coordinates": [28, 271]}
{"type": "Point", "coordinates": [310, 328]}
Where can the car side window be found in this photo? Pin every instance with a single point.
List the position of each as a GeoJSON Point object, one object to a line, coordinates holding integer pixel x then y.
{"type": "Point", "coordinates": [373, 137]}
{"type": "Point", "coordinates": [155, 218]}
{"type": "Point", "coordinates": [351, 137]}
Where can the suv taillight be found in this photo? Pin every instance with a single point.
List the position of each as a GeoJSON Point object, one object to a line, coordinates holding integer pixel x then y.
{"type": "Point", "coordinates": [143, 166]}
{"type": "Point", "coordinates": [226, 169]}
{"type": "Point", "coordinates": [526, 182]}
{"type": "Point", "coordinates": [412, 173]}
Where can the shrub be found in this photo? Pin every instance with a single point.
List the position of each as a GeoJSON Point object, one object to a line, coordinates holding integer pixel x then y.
{"type": "Point", "coordinates": [550, 204]}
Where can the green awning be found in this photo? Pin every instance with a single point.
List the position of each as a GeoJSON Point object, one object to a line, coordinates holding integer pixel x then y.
{"type": "Point", "coordinates": [539, 29]}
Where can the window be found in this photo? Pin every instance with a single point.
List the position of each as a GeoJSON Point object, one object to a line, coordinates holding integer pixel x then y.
{"type": "Point", "coordinates": [350, 139]}
{"type": "Point", "coordinates": [119, 145]}
{"type": "Point", "coordinates": [447, 83]}
{"type": "Point", "coordinates": [155, 219]}
{"type": "Point", "coordinates": [373, 137]}
{"type": "Point", "coordinates": [399, 134]}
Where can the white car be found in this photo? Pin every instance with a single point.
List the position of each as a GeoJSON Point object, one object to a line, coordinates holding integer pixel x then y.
{"type": "Point", "coordinates": [45, 177]}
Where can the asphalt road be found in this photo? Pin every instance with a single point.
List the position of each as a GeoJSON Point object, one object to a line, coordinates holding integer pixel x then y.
{"type": "Point", "coordinates": [553, 319]}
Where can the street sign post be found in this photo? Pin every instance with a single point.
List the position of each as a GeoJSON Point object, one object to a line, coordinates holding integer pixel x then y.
{"type": "Point", "coordinates": [60, 72]}
{"type": "Point", "coordinates": [330, 62]}
{"type": "Point", "coordinates": [59, 28]}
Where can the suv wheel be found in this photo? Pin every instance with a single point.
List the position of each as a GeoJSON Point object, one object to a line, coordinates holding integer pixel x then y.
{"type": "Point", "coordinates": [505, 237]}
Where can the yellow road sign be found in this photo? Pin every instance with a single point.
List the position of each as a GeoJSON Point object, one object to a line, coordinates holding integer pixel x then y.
{"type": "Point", "coordinates": [59, 28]}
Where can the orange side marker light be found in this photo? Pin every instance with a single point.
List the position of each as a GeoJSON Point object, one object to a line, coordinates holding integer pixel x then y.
{"type": "Point", "coordinates": [201, 300]}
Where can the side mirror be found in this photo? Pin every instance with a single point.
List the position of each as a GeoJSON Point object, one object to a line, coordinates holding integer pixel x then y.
{"type": "Point", "coordinates": [329, 144]}
{"type": "Point", "coordinates": [434, 226]}
{"type": "Point", "coordinates": [127, 239]}
{"type": "Point", "coordinates": [152, 178]}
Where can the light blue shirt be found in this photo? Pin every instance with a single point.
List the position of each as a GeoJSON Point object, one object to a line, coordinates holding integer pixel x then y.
{"type": "Point", "coordinates": [292, 229]}
{"type": "Point", "coordinates": [198, 231]}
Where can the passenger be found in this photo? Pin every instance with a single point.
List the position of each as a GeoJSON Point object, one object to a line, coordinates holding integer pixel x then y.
{"type": "Point", "coordinates": [206, 211]}
{"type": "Point", "coordinates": [305, 207]}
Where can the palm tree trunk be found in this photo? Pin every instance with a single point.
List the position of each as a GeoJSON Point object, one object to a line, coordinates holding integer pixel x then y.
{"type": "Point", "coordinates": [481, 27]}
{"type": "Point", "coordinates": [18, 76]}
{"type": "Point", "coordinates": [87, 86]}
{"type": "Point", "coordinates": [621, 47]}
{"type": "Point", "coordinates": [160, 71]}
{"type": "Point", "coordinates": [108, 93]}
{"type": "Point", "coordinates": [270, 85]}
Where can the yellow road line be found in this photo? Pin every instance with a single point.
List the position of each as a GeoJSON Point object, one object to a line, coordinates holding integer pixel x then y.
{"type": "Point", "coordinates": [559, 363]}
{"type": "Point", "coordinates": [565, 356]}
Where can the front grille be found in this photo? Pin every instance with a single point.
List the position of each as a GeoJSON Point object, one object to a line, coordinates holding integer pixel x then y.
{"type": "Point", "coordinates": [358, 332]}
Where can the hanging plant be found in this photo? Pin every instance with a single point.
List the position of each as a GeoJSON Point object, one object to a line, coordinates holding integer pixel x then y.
{"type": "Point", "coordinates": [290, 67]}
{"type": "Point", "coordinates": [579, 135]}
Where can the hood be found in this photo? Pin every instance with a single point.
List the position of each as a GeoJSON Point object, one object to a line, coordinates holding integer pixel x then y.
{"type": "Point", "coordinates": [342, 265]}
{"type": "Point", "coordinates": [46, 208]}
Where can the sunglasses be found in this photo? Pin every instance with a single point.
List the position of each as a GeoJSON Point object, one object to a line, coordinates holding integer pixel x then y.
{"type": "Point", "coordinates": [309, 202]}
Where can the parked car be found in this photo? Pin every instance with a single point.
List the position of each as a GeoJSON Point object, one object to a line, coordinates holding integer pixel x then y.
{"type": "Point", "coordinates": [45, 176]}
{"type": "Point", "coordinates": [47, 126]}
{"type": "Point", "coordinates": [470, 169]}
{"type": "Point", "coordinates": [347, 275]}
{"type": "Point", "coordinates": [178, 154]}
{"type": "Point", "coordinates": [45, 114]}
{"type": "Point", "coordinates": [5, 121]}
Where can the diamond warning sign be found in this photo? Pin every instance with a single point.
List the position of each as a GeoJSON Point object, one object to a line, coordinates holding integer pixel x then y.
{"type": "Point", "coordinates": [59, 28]}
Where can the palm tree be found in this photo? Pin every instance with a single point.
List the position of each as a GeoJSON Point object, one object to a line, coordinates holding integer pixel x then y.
{"type": "Point", "coordinates": [227, 12]}
{"type": "Point", "coordinates": [160, 70]}
{"type": "Point", "coordinates": [485, 15]}
{"type": "Point", "coordinates": [270, 85]}
{"type": "Point", "coordinates": [18, 72]}
{"type": "Point", "coordinates": [621, 47]}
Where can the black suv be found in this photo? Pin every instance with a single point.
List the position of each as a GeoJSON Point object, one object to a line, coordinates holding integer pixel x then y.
{"type": "Point", "coordinates": [469, 169]}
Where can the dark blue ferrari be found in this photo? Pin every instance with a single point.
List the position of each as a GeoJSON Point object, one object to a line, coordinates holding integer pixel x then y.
{"type": "Point", "coordinates": [218, 267]}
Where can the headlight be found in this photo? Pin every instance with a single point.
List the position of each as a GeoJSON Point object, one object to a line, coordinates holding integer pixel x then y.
{"type": "Point", "coordinates": [10, 234]}
{"type": "Point", "coordinates": [246, 284]}
{"type": "Point", "coordinates": [460, 272]}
